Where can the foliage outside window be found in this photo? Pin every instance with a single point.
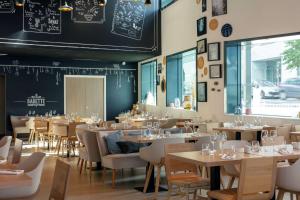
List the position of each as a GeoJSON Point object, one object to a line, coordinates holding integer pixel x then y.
{"type": "Point", "coordinates": [148, 79]}
{"type": "Point", "coordinates": [181, 80]}
{"type": "Point", "coordinates": [263, 76]}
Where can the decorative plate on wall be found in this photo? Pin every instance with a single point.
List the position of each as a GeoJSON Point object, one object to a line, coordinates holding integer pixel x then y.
{"type": "Point", "coordinates": [213, 24]}
{"type": "Point", "coordinates": [200, 62]}
{"type": "Point", "coordinates": [226, 30]}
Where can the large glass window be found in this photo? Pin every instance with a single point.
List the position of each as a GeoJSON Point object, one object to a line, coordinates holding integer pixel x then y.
{"type": "Point", "coordinates": [148, 79]}
{"type": "Point", "coordinates": [263, 76]}
{"type": "Point", "coordinates": [181, 80]}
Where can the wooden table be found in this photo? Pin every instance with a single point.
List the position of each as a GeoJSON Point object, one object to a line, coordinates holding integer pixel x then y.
{"type": "Point", "coordinates": [241, 129]}
{"type": "Point", "coordinates": [214, 162]}
{"type": "Point", "coordinates": [296, 134]}
{"type": "Point", "coordinates": [9, 181]}
{"type": "Point", "coordinates": [148, 139]}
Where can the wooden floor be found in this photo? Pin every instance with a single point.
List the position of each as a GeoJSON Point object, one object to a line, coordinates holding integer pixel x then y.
{"type": "Point", "coordinates": [80, 187]}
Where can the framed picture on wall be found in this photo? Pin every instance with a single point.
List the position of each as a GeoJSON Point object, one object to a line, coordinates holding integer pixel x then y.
{"type": "Point", "coordinates": [213, 51]}
{"type": "Point", "coordinates": [219, 7]}
{"type": "Point", "coordinates": [201, 26]}
{"type": "Point", "coordinates": [204, 6]}
{"type": "Point", "coordinates": [201, 46]}
{"type": "Point", "coordinates": [215, 71]}
{"type": "Point", "coordinates": [202, 92]}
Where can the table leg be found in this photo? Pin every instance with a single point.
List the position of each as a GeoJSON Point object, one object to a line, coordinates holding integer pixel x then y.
{"type": "Point", "coordinates": [215, 178]}
{"type": "Point", "coordinates": [99, 166]}
{"type": "Point", "coordinates": [258, 136]}
{"type": "Point", "coordinates": [238, 135]}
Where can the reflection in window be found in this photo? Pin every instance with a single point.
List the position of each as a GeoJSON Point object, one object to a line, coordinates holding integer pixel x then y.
{"type": "Point", "coordinates": [165, 3]}
{"type": "Point", "coordinates": [148, 78]}
{"type": "Point", "coordinates": [263, 76]}
{"type": "Point", "coordinates": [181, 80]}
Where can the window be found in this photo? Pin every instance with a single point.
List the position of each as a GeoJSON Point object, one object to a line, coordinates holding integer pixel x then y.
{"type": "Point", "coordinates": [263, 76]}
{"type": "Point", "coordinates": [181, 80]}
{"type": "Point", "coordinates": [165, 3]}
{"type": "Point", "coordinates": [148, 79]}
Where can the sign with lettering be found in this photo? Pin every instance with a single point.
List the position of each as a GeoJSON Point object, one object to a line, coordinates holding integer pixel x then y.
{"type": "Point", "coordinates": [36, 101]}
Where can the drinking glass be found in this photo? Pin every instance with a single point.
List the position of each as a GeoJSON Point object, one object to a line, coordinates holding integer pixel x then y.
{"type": "Point", "coordinates": [264, 135]}
{"type": "Point", "coordinates": [213, 140]}
{"type": "Point", "coordinates": [186, 126]}
{"type": "Point", "coordinates": [255, 146]}
{"type": "Point", "coordinates": [223, 139]}
{"type": "Point", "coordinates": [205, 149]}
{"type": "Point", "coordinates": [232, 151]}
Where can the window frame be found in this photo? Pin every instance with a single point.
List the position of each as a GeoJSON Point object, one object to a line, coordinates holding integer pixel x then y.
{"type": "Point", "coordinates": [144, 63]}
{"type": "Point", "coordinates": [239, 96]}
{"type": "Point", "coordinates": [196, 62]}
{"type": "Point", "coordinates": [166, 6]}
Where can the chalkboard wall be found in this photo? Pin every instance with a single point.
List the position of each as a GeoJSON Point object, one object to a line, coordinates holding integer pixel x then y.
{"type": "Point", "coordinates": [122, 25]}
{"type": "Point", "coordinates": [26, 80]}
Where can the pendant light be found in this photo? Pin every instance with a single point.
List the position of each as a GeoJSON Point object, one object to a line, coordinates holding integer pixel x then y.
{"type": "Point", "coordinates": [20, 3]}
{"type": "Point", "coordinates": [65, 8]}
{"type": "Point", "coordinates": [147, 2]}
{"type": "Point", "coordinates": [102, 3]}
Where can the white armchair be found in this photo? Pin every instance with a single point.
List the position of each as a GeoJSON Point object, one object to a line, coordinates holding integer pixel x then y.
{"type": "Point", "coordinates": [288, 180]}
{"type": "Point", "coordinates": [33, 167]}
{"type": "Point", "coordinates": [4, 146]}
{"type": "Point", "coordinates": [154, 155]}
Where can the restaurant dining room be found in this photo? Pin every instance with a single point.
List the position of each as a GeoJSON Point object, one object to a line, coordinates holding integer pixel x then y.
{"type": "Point", "coordinates": [149, 99]}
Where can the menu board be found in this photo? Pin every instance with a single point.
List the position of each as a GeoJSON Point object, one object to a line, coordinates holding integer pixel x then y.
{"type": "Point", "coordinates": [128, 20]}
{"type": "Point", "coordinates": [42, 16]}
{"type": "Point", "coordinates": [7, 6]}
{"type": "Point", "coordinates": [88, 11]}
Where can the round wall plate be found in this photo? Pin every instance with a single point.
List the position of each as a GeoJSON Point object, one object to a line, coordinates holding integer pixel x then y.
{"type": "Point", "coordinates": [226, 30]}
{"type": "Point", "coordinates": [200, 62]}
{"type": "Point", "coordinates": [213, 24]}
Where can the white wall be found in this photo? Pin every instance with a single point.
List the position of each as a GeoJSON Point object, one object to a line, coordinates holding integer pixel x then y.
{"type": "Point", "coordinates": [249, 18]}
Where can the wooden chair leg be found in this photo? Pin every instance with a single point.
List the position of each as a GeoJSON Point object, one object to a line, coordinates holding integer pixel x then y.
{"type": "Point", "coordinates": [298, 196]}
{"type": "Point", "coordinates": [59, 146]}
{"type": "Point", "coordinates": [81, 165]}
{"type": "Point", "coordinates": [170, 190]}
{"type": "Point", "coordinates": [157, 180]}
{"type": "Point", "coordinates": [231, 181]}
{"type": "Point", "coordinates": [113, 178]}
{"type": "Point", "coordinates": [85, 164]}
{"type": "Point", "coordinates": [78, 161]}
{"type": "Point", "coordinates": [103, 174]}
{"type": "Point", "coordinates": [150, 168]}
{"type": "Point", "coordinates": [280, 195]}
{"type": "Point", "coordinates": [90, 170]}
{"type": "Point", "coordinates": [292, 196]}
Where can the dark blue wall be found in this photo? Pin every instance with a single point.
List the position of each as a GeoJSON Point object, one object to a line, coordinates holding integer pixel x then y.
{"type": "Point", "coordinates": [23, 83]}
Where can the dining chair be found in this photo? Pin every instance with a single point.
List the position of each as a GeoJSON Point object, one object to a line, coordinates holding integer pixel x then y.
{"type": "Point", "coordinates": [60, 181]}
{"type": "Point", "coordinates": [288, 180]}
{"type": "Point", "coordinates": [154, 154]}
{"type": "Point", "coordinates": [30, 126]}
{"type": "Point", "coordinates": [61, 132]}
{"type": "Point", "coordinates": [4, 146]}
{"type": "Point", "coordinates": [233, 171]}
{"type": "Point", "coordinates": [92, 153]}
{"type": "Point", "coordinates": [211, 125]}
{"type": "Point", "coordinates": [169, 123]}
{"type": "Point", "coordinates": [33, 167]}
{"type": "Point", "coordinates": [297, 128]}
{"type": "Point", "coordinates": [81, 149]}
{"type": "Point", "coordinates": [257, 181]}
{"type": "Point", "coordinates": [17, 151]}
{"type": "Point", "coordinates": [284, 130]}
{"type": "Point", "coordinates": [41, 131]}
{"type": "Point", "coordinates": [183, 175]}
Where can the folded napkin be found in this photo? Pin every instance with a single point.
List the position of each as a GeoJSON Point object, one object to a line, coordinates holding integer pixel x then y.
{"type": "Point", "coordinates": [11, 172]}
{"type": "Point", "coordinates": [228, 157]}
{"type": "Point", "coordinates": [284, 151]}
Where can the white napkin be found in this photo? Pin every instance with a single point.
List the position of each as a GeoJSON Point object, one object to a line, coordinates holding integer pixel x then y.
{"type": "Point", "coordinates": [11, 172]}
{"type": "Point", "coordinates": [228, 157]}
{"type": "Point", "coordinates": [3, 161]}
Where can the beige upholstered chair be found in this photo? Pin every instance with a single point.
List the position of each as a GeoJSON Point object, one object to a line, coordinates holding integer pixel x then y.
{"type": "Point", "coordinates": [257, 181]}
{"type": "Point", "coordinates": [154, 154]}
{"type": "Point", "coordinates": [181, 174]}
{"type": "Point", "coordinates": [284, 131]}
{"type": "Point", "coordinates": [92, 153]}
{"type": "Point", "coordinates": [116, 161]}
{"type": "Point", "coordinates": [4, 146]}
{"type": "Point", "coordinates": [288, 180]}
{"type": "Point", "coordinates": [33, 167]}
{"type": "Point", "coordinates": [19, 125]}
{"type": "Point", "coordinates": [211, 125]}
{"type": "Point", "coordinates": [17, 151]}
{"type": "Point", "coordinates": [60, 181]}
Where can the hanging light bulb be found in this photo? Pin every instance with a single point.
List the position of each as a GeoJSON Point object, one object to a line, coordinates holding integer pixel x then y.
{"type": "Point", "coordinates": [147, 2]}
{"type": "Point", "coordinates": [65, 8]}
{"type": "Point", "coordinates": [102, 3]}
{"type": "Point", "coordinates": [20, 3]}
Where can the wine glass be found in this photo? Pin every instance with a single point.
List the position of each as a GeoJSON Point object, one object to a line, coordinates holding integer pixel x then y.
{"type": "Point", "coordinates": [264, 135]}
{"type": "Point", "coordinates": [186, 126]}
{"type": "Point", "coordinates": [223, 139]}
{"type": "Point", "coordinates": [255, 146]}
{"type": "Point", "coordinates": [149, 127]}
{"type": "Point", "coordinates": [213, 140]}
{"type": "Point", "coordinates": [272, 136]}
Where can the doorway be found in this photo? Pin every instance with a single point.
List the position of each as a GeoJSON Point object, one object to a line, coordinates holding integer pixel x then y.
{"type": "Point", "coordinates": [85, 95]}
